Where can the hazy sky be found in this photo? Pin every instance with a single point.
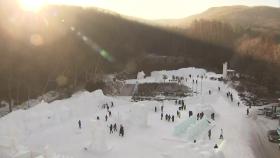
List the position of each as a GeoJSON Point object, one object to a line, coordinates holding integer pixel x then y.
{"type": "Point", "coordinates": [159, 9]}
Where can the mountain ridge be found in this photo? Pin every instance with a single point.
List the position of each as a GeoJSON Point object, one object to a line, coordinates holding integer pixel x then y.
{"type": "Point", "coordinates": [257, 17]}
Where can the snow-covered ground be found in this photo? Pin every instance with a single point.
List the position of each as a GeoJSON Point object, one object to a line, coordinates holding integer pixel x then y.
{"type": "Point", "coordinates": [51, 130]}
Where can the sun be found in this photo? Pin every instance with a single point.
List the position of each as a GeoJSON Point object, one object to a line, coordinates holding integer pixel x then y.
{"type": "Point", "coordinates": [32, 5]}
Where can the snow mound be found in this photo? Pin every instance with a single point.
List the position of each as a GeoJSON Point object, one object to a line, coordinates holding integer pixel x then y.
{"type": "Point", "coordinates": [99, 142]}
{"type": "Point", "coordinates": [97, 93]}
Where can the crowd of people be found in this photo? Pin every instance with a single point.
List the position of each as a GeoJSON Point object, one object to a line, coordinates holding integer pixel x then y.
{"type": "Point", "coordinates": [112, 127]}
{"type": "Point", "coordinates": [199, 116]}
{"type": "Point", "coordinates": [229, 95]}
{"type": "Point", "coordinates": [182, 103]}
{"type": "Point", "coordinates": [119, 128]}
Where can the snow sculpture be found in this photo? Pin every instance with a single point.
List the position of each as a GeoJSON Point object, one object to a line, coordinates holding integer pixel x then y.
{"type": "Point", "coordinates": [181, 129]}
{"type": "Point", "coordinates": [197, 129]}
{"type": "Point", "coordinates": [10, 148]}
{"type": "Point", "coordinates": [97, 93]}
{"type": "Point", "coordinates": [98, 142]}
{"type": "Point", "coordinates": [140, 75]}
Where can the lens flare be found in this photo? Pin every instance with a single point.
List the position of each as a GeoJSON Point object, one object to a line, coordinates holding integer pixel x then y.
{"type": "Point", "coordinates": [32, 5]}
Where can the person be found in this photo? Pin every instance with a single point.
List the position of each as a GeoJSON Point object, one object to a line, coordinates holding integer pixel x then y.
{"type": "Point", "coordinates": [106, 118]}
{"type": "Point", "coordinates": [197, 116]}
{"type": "Point", "coordinates": [176, 102]}
{"type": "Point", "coordinates": [111, 128]}
{"type": "Point", "coordinates": [221, 135]}
{"type": "Point", "coordinates": [190, 113]}
{"type": "Point", "coordinates": [115, 127]}
{"type": "Point", "coordinates": [107, 107]}
{"type": "Point", "coordinates": [213, 116]}
{"type": "Point", "coordinates": [121, 131]}
{"type": "Point", "coordinates": [110, 113]}
{"type": "Point", "coordinates": [179, 115]}
{"type": "Point", "coordinates": [166, 117]}
{"type": "Point", "coordinates": [201, 115]}
{"type": "Point", "coordinates": [172, 118]}
{"type": "Point", "coordinates": [219, 88]}
{"type": "Point", "coordinates": [169, 117]}
{"type": "Point", "coordinates": [155, 109]}
{"type": "Point", "coordinates": [112, 104]}
{"type": "Point", "coordinates": [80, 124]}
{"type": "Point", "coordinates": [209, 134]}
{"type": "Point", "coordinates": [238, 103]}
{"type": "Point", "coordinates": [209, 92]}
{"type": "Point", "coordinates": [215, 146]}
{"type": "Point", "coordinates": [247, 111]}
{"type": "Point", "coordinates": [97, 117]}
{"type": "Point", "coordinates": [161, 116]}
{"type": "Point", "coordinates": [161, 108]}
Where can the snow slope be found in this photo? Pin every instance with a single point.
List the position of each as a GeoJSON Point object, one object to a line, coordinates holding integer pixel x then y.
{"type": "Point", "coordinates": [51, 130]}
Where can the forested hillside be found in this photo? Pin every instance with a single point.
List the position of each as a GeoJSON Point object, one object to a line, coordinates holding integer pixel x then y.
{"type": "Point", "coordinates": [67, 47]}
{"type": "Point", "coordinates": [261, 18]}
{"type": "Point", "coordinates": [257, 54]}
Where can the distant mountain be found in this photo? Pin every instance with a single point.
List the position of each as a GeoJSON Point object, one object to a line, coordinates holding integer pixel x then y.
{"type": "Point", "coordinates": [260, 17]}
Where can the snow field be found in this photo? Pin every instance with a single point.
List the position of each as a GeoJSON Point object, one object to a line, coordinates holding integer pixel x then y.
{"type": "Point", "coordinates": [51, 130]}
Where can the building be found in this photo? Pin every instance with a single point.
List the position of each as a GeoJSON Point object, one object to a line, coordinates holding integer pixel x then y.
{"type": "Point", "coordinates": [228, 74]}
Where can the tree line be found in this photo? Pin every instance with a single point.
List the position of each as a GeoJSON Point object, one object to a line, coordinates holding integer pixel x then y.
{"type": "Point", "coordinates": [256, 53]}
{"type": "Point", "coordinates": [72, 47]}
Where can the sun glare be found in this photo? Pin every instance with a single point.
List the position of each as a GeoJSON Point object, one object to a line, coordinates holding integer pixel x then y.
{"type": "Point", "coordinates": [32, 5]}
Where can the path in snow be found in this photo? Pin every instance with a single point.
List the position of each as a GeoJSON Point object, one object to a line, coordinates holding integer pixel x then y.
{"type": "Point", "coordinates": [259, 141]}
{"type": "Point", "coordinates": [237, 125]}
